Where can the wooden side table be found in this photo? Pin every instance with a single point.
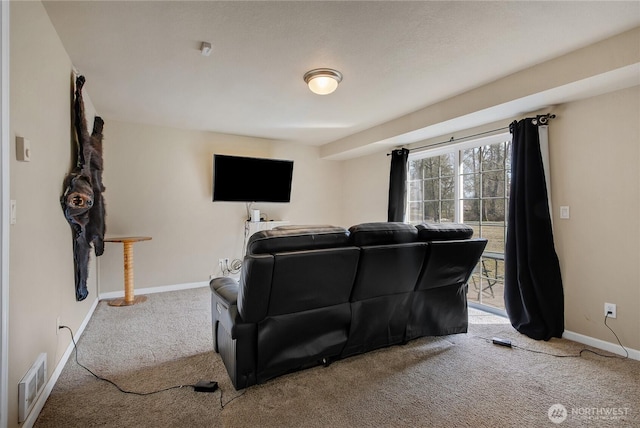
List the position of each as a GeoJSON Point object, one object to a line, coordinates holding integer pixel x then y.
{"type": "Point", "coordinates": [129, 298]}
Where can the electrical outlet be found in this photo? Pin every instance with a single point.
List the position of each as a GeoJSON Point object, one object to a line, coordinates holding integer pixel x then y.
{"type": "Point", "coordinates": [610, 309]}
{"type": "Point", "coordinates": [57, 325]}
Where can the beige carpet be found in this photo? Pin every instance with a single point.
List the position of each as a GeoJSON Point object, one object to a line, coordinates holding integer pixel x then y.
{"type": "Point", "coordinates": [453, 381]}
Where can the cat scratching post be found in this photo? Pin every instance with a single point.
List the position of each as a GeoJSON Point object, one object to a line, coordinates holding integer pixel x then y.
{"type": "Point", "coordinates": [129, 298]}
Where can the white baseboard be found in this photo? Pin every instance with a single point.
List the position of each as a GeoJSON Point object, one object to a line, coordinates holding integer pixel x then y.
{"type": "Point", "coordinates": [31, 419]}
{"type": "Point", "coordinates": [151, 290]}
{"type": "Point", "coordinates": [601, 344]}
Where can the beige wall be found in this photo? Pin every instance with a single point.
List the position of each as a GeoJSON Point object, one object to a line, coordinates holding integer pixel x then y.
{"type": "Point", "coordinates": [41, 282]}
{"type": "Point", "coordinates": [159, 183]}
{"type": "Point", "coordinates": [366, 188]}
{"type": "Point", "coordinates": [595, 169]}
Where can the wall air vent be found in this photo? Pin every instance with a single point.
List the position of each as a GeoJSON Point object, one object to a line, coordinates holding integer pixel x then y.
{"type": "Point", "coordinates": [31, 386]}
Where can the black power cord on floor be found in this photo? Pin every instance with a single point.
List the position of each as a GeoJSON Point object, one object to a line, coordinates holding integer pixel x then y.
{"type": "Point", "coordinates": [201, 386]}
{"type": "Point", "coordinates": [75, 348]}
{"type": "Point", "coordinates": [222, 406]}
{"type": "Point", "coordinates": [579, 354]}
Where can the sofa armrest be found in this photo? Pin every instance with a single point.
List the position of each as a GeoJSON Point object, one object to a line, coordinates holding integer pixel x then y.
{"type": "Point", "coordinates": [224, 308]}
{"type": "Point", "coordinates": [225, 289]}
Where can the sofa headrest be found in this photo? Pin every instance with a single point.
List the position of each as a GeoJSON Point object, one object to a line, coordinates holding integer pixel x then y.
{"type": "Point", "coordinates": [443, 231]}
{"type": "Point", "coordinates": [382, 233]}
{"type": "Point", "coordinates": [297, 238]}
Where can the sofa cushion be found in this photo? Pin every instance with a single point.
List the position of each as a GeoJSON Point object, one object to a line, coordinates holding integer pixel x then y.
{"type": "Point", "coordinates": [297, 238]}
{"type": "Point", "coordinates": [443, 231]}
{"type": "Point", "coordinates": [310, 279]}
{"type": "Point", "coordinates": [382, 233]}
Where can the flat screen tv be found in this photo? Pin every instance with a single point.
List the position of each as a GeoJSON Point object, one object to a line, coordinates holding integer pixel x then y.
{"type": "Point", "coordinates": [247, 179]}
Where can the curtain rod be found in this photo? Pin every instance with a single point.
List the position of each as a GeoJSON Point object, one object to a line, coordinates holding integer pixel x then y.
{"type": "Point", "coordinates": [541, 119]}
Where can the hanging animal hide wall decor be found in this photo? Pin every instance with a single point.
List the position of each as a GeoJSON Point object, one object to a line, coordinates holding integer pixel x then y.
{"type": "Point", "coordinates": [82, 200]}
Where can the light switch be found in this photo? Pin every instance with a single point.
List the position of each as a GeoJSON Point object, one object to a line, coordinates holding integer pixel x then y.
{"type": "Point", "coordinates": [23, 149]}
{"type": "Point", "coordinates": [564, 212]}
{"type": "Point", "coordinates": [13, 211]}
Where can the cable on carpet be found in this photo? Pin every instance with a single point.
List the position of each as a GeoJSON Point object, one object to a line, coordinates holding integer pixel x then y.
{"type": "Point", "coordinates": [75, 347]}
{"type": "Point", "coordinates": [222, 406]}
{"type": "Point", "coordinates": [579, 354]}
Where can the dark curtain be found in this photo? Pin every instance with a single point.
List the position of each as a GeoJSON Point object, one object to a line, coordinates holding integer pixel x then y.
{"type": "Point", "coordinates": [533, 293]}
{"type": "Point", "coordinates": [398, 184]}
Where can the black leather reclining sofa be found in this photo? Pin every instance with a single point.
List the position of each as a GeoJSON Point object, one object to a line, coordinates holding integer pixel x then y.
{"type": "Point", "coordinates": [308, 295]}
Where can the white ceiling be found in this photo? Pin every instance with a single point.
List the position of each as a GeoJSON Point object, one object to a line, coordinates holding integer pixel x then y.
{"type": "Point", "coordinates": [143, 64]}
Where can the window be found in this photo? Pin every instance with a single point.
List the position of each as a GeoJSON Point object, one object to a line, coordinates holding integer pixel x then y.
{"type": "Point", "coordinates": [467, 183]}
{"type": "Point", "coordinates": [432, 189]}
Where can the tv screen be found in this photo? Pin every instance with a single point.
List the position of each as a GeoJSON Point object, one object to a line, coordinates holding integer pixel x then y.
{"type": "Point", "coordinates": [247, 179]}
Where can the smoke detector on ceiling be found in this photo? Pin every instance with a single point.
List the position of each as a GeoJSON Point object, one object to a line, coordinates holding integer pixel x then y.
{"type": "Point", "coordinates": [205, 49]}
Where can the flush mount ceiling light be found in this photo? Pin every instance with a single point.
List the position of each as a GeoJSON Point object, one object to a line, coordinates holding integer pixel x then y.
{"type": "Point", "coordinates": [323, 81]}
